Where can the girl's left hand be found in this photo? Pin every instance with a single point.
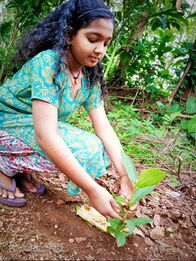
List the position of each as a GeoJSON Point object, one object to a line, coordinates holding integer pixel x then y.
{"type": "Point", "coordinates": [126, 188]}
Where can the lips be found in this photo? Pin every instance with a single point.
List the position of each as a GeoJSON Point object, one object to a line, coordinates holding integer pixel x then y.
{"type": "Point", "coordinates": [94, 59]}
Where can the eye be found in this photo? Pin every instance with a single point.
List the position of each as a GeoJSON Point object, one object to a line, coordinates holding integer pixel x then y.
{"type": "Point", "coordinates": [106, 43]}
{"type": "Point", "coordinates": [92, 40]}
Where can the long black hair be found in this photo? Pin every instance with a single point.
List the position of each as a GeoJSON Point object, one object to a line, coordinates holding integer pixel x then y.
{"type": "Point", "coordinates": [51, 32]}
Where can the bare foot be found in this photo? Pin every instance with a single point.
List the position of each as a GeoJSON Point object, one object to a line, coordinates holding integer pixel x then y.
{"type": "Point", "coordinates": [24, 181]}
{"type": "Point", "coordinates": [7, 182]}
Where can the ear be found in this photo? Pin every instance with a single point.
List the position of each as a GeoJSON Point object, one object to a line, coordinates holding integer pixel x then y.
{"type": "Point", "coordinates": [69, 34]}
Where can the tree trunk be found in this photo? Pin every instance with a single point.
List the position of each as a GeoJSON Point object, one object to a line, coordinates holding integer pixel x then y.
{"type": "Point", "coordinates": [187, 68]}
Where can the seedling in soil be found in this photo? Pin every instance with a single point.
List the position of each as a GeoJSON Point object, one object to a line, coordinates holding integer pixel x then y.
{"type": "Point", "coordinates": [148, 179]}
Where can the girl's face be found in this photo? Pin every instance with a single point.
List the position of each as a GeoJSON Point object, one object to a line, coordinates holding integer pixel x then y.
{"type": "Point", "coordinates": [89, 44]}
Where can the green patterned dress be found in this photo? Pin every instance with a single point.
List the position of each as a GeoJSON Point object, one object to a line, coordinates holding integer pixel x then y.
{"type": "Point", "coordinates": [35, 81]}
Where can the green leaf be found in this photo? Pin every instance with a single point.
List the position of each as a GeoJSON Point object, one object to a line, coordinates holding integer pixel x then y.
{"type": "Point", "coordinates": [130, 225]}
{"type": "Point", "coordinates": [150, 177]}
{"type": "Point", "coordinates": [164, 72]}
{"type": "Point", "coordinates": [140, 193]}
{"type": "Point", "coordinates": [77, 207]}
{"type": "Point", "coordinates": [191, 125]}
{"type": "Point", "coordinates": [121, 239]}
{"type": "Point", "coordinates": [111, 230]}
{"type": "Point", "coordinates": [174, 108]}
{"type": "Point", "coordinates": [130, 167]}
{"type": "Point", "coordinates": [115, 222]}
{"type": "Point", "coordinates": [141, 221]}
{"type": "Point", "coordinates": [191, 105]}
{"type": "Point", "coordinates": [184, 123]}
{"type": "Point", "coordinates": [119, 200]}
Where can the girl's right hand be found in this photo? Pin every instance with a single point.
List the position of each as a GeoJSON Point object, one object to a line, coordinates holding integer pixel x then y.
{"type": "Point", "coordinates": [103, 201]}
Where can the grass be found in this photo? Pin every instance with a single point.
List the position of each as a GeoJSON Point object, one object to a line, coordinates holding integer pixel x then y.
{"type": "Point", "coordinates": [144, 141]}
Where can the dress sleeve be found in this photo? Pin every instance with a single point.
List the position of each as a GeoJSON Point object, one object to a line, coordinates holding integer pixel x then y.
{"type": "Point", "coordinates": [94, 99]}
{"type": "Point", "coordinates": [43, 70]}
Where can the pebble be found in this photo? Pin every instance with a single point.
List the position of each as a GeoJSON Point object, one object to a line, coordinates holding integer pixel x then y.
{"type": "Point", "coordinates": [60, 202]}
{"type": "Point", "coordinates": [157, 233]}
{"type": "Point", "coordinates": [56, 226]}
{"type": "Point", "coordinates": [32, 239]}
{"type": "Point", "coordinates": [156, 220]}
{"type": "Point", "coordinates": [1, 224]}
{"type": "Point", "coordinates": [71, 240]}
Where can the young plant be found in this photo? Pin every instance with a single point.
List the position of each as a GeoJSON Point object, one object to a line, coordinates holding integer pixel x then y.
{"type": "Point", "coordinates": [148, 179]}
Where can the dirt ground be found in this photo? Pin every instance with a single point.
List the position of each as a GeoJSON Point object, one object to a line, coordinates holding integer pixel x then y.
{"type": "Point", "coordinates": [49, 229]}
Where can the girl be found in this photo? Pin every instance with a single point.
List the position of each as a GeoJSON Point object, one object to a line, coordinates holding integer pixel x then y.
{"type": "Point", "coordinates": [61, 71]}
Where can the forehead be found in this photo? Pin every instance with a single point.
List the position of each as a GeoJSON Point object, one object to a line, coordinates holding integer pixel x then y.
{"type": "Point", "coordinates": [101, 26]}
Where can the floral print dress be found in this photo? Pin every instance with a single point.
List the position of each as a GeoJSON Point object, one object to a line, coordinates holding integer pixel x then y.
{"type": "Point", "coordinates": [19, 150]}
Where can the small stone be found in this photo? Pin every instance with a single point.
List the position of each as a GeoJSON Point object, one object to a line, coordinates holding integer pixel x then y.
{"type": "Point", "coordinates": [156, 220]}
{"type": "Point", "coordinates": [71, 240]}
{"type": "Point", "coordinates": [32, 239]}
{"type": "Point", "coordinates": [56, 226]}
{"type": "Point", "coordinates": [157, 233]}
{"type": "Point", "coordinates": [60, 202]}
{"type": "Point", "coordinates": [81, 239]}
{"type": "Point", "coordinates": [1, 224]}
{"type": "Point", "coordinates": [148, 241]}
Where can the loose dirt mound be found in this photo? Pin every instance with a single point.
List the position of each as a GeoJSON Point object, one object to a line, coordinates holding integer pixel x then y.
{"type": "Point", "coordinates": [49, 229]}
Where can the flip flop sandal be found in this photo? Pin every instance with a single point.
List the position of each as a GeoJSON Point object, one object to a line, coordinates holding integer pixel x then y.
{"type": "Point", "coordinates": [40, 188]}
{"type": "Point", "coordinates": [15, 202]}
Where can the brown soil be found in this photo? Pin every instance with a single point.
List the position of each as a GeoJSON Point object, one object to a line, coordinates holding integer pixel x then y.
{"type": "Point", "coordinates": [49, 229]}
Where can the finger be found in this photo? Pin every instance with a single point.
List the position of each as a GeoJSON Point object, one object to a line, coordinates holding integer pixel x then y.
{"type": "Point", "coordinates": [125, 195]}
{"type": "Point", "coordinates": [114, 213]}
{"type": "Point", "coordinates": [115, 206]}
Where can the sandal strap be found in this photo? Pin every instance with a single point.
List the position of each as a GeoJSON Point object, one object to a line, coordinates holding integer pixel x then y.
{"type": "Point", "coordinates": [12, 188]}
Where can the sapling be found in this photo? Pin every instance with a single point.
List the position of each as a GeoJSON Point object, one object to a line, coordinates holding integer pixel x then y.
{"type": "Point", "coordinates": [148, 179]}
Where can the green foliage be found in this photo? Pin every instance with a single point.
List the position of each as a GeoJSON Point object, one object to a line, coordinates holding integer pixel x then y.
{"type": "Point", "coordinates": [150, 177]}
{"type": "Point", "coordinates": [191, 105]}
{"type": "Point", "coordinates": [122, 228]}
{"type": "Point", "coordinates": [18, 17]}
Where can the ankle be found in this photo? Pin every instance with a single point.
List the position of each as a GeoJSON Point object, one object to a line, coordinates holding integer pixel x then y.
{"type": "Point", "coordinates": [5, 180]}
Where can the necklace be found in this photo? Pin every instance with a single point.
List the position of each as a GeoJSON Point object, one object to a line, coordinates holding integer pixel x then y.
{"type": "Point", "coordinates": [75, 77]}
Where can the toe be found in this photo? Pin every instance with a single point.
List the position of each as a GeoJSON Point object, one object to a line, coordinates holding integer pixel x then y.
{"type": "Point", "coordinates": [10, 195]}
{"type": "Point", "coordinates": [4, 193]}
{"type": "Point", "coordinates": [18, 194]}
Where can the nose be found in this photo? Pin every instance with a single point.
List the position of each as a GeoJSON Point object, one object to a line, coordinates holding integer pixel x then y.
{"type": "Point", "coordinates": [100, 49]}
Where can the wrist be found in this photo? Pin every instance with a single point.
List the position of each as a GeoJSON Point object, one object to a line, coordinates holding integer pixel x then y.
{"type": "Point", "coordinates": [91, 189]}
{"type": "Point", "coordinates": [124, 177]}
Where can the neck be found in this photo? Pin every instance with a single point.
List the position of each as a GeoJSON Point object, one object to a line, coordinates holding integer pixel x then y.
{"type": "Point", "coordinates": [73, 64]}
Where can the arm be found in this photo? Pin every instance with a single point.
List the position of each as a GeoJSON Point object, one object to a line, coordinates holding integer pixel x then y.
{"type": "Point", "coordinates": [105, 132]}
{"type": "Point", "coordinates": [49, 139]}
